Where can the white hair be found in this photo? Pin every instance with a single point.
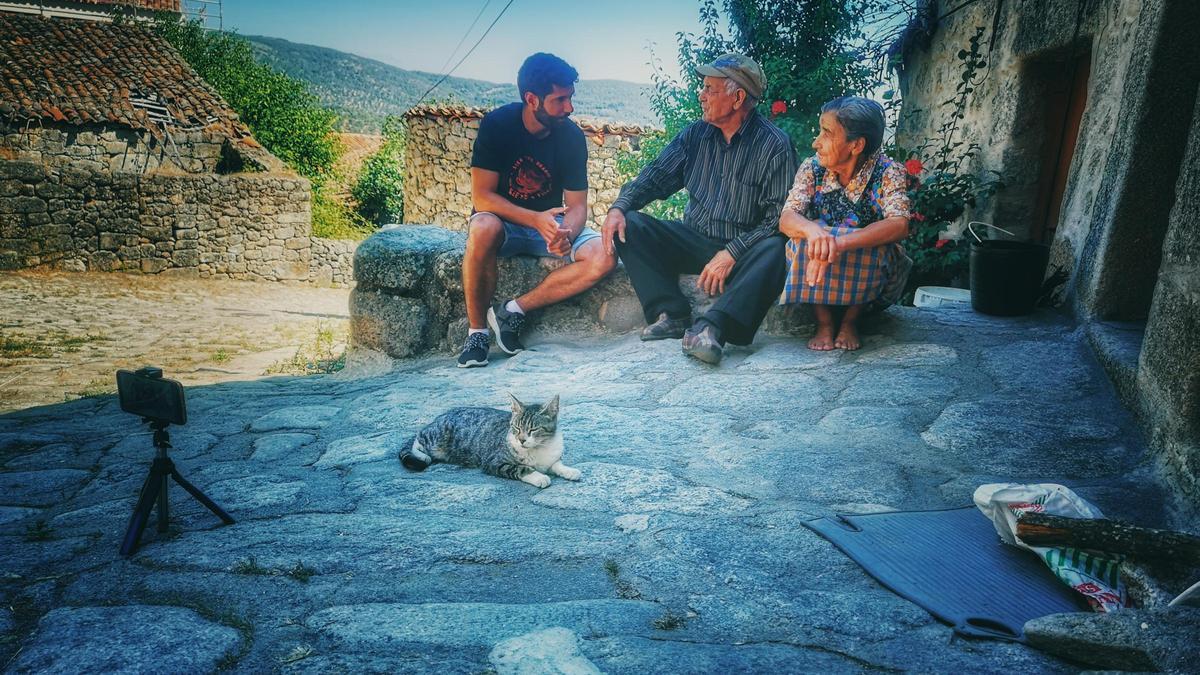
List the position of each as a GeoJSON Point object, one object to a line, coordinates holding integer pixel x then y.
{"type": "Point", "coordinates": [731, 87]}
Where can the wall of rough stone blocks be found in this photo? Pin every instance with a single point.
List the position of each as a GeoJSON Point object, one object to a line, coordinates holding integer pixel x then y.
{"type": "Point", "coordinates": [241, 226]}
{"type": "Point", "coordinates": [437, 181]}
{"type": "Point", "coordinates": [111, 148]}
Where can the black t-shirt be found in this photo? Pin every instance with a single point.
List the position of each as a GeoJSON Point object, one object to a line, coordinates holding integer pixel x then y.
{"type": "Point", "coordinates": [533, 171]}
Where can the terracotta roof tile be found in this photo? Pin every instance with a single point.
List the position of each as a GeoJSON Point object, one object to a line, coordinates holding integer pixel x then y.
{"type": "Point", "coordinates": [589, 125]}
{"type": "Point", "coordinates": [86, 71]}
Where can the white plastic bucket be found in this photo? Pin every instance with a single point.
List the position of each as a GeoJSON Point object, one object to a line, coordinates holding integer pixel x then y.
{"type": "Point", "coordinates": [942, 296]}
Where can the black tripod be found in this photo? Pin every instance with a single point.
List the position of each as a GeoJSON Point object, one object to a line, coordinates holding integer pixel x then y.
{"type": "Point", "coordinates": [155, 489]}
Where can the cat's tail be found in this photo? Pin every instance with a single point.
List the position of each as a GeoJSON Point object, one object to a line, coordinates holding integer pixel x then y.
{"type": "Point", "coordinates": [413, 457]}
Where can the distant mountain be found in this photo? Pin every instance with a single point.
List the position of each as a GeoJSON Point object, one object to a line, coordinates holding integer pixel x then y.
{"type": "Point", "coordinates": [363, 91]}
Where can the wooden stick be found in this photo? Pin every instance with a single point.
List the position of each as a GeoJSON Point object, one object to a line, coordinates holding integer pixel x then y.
{"type": "Point", "coordinates": [1043, 529]}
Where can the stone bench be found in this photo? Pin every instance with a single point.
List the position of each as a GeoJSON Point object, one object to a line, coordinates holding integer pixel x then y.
{"type": "Point", "coordinates": [408, 297]}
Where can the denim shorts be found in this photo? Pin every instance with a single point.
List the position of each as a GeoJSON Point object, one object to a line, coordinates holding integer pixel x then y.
{"type": "Point", "coordinates": [521, 240]}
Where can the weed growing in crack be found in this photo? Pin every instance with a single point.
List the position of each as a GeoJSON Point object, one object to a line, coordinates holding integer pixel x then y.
{"type": "Point", "coordinates": [669, 621]}
{"type": "Point", "coordinates": [39, 531]}
{"type": "Point", "coordinates": [250, 567]}
{"type": "Point", "coordinates": [300, 572]}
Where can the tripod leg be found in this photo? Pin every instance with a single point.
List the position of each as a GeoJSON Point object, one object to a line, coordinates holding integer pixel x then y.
{"type": "Point", "coordinates": [201, 497]}
{"type": "Point", "coordinates": [141, 512]}
{"type": "Point", "coordinates": [163, 511]}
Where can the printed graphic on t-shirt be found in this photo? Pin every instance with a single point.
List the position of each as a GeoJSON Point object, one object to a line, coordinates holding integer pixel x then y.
{"type": "Point", "coordinates": [528, 179]}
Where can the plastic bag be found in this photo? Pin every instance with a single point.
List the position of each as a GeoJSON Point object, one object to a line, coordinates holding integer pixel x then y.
{"type": "Point", "coordinates": [1094, 574]}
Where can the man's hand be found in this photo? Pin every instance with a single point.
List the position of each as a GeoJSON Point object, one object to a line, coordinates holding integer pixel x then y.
{"type": "Point", "coordinates": [614, 225]}
{"type": "Point", "coordinates": [561, 244]}
{"type": "Point", "coordinates": [712, 277]}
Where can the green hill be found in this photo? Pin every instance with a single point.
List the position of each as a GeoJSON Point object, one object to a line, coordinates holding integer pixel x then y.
{"type": "Point", "coordinates": [363, 91]}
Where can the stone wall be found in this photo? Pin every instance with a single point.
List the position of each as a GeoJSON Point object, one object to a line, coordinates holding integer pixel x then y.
{"type": "Point", "coordinates": [1127, 228]}
{"type": "Point", "coordinates": [437, 181]}
{"type": "Point", "coordinates": [242, 226]}
{"type": "Point", "coordinates": [332, 262]}
{"type": "Point", "coordinates": [115, 148]}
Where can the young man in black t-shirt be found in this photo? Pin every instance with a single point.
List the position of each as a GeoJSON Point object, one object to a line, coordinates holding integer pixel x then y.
{"type": "Point", "coordinates": [528, 158]}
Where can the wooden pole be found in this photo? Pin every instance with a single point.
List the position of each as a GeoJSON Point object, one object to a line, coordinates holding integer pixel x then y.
{"type": "Point", "coordinates": [1043, 529]}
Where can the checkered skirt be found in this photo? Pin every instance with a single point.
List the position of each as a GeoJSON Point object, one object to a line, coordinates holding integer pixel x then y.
{"type": "Point", "coordinates": [858, 276]}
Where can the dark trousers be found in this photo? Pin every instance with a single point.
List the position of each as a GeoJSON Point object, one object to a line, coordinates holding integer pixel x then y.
{"type": "Point", "coordinates": [656, 252]}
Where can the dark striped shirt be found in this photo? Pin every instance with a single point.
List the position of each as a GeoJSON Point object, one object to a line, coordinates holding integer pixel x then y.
{"type": "Point", "coordinates": [735, 190]}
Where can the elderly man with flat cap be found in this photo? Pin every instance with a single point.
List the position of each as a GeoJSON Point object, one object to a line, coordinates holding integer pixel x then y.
{"type": "Point", "coordinates": [737, 168]}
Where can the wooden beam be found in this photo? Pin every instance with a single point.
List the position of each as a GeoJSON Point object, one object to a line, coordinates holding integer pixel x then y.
{"type": "Point", "coordinates": [1142, 543]}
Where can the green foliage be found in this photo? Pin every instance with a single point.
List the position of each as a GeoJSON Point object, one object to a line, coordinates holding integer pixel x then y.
{"type": "Point", "coordinates": [332, 219]}
{"type": "Point", "coordinates": [281, 112]}
{"type": "Point", "coordinates": [949, 188]}
{"type": "Point", "coordinates": [364, 92]}
{"type": "Point", "coordinates": [379, 190]}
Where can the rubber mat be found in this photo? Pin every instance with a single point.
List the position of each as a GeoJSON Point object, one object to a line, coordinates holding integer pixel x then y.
{"type": "Point", "coordinates": [953, 564]}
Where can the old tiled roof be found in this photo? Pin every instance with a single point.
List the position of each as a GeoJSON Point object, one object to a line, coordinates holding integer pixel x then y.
{"type": "Point", "coordinates": [81, 72]}
{"type": "Point", "coordinates": [589, 125]}
{"type": "Point", "coordinates": [158, 5]}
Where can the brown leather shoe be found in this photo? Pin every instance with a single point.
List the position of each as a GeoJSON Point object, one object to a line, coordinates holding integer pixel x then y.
{"type": "Point", "coordinates": [700, 343]}
{"type": "Point", "coordinates": [665, 328]}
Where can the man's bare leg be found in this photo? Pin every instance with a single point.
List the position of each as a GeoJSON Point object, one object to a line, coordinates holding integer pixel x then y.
{"type": "Point", "coordinates": [847, 337]}
{"type": "Point", "coordinates": [822, 340]}
{"type": "Point", "coordinates": [590, 266]}
{"type": "Point", "coordinates": [484, 238]}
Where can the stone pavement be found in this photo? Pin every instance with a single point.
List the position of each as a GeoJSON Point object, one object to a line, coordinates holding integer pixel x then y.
{"type": "Point", "coordinates": [680, 550]}
{"type": "Point", "coordinates": [62, 335]}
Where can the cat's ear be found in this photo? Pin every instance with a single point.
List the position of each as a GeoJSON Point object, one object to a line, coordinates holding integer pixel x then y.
{"type": "Point", "coordinates": [551, 408]}
{"type": "Point", "coordinates": [517, 406]}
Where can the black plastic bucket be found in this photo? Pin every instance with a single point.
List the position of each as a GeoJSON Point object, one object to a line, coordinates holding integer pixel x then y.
{"type": "Point", "coordinates": [1006, 276]}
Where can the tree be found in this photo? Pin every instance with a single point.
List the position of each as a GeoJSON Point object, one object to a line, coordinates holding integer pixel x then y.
{"type": "Point", "coordinates": [380, 184]}
{"type": "Point", "coordinates": [281, 112]}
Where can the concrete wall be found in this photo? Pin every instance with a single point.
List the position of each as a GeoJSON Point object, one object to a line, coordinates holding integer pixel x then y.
{"type": "Point", "coordinates": [437, 181]}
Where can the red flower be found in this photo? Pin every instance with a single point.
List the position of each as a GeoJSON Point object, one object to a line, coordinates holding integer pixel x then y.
{"type": "Point", "coordinates": [941, 242]}
{"type": "Point", "coordinates": [919, 217]}
{"type": "Point", "coordinates": [913, 166]}
{"type": "Point", "coordinates": [778, 108]}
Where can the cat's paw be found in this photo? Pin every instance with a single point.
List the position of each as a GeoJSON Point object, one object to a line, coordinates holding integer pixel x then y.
{"type": "Point", "coordinates": [569, 473]}
{"type": "Point", "coordinates": [537, 479]}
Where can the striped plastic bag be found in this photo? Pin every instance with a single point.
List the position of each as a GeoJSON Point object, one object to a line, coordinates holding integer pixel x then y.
{"type": "Point", "coordinates": [1094, 574]}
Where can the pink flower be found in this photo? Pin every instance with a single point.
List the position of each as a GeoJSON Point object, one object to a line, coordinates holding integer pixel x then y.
{"type": "Point", "coordinates": [919, 217]}
{"type": "Point", "coordinates": [941, 242]}
{"type": "Point", "coordinates": [778, 108]}
{"type": "Point", "coordinates": [913, 166]}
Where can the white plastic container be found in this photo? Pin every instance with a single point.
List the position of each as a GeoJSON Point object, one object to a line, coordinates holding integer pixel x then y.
{"type": "Point", "coordinates": [942, 296]}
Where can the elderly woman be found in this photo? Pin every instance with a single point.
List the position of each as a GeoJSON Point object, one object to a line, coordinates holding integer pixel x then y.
{"type": "Point", "coordinates": [845, 215]}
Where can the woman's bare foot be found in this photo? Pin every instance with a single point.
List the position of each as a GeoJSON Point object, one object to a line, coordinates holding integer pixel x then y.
{"type": "Point", "coordinates": [847, 337]}
{"type": "Point", "coordinates": [822, 340]}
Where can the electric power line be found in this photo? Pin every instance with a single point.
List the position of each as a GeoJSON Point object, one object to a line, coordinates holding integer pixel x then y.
{"type": "Point", "coordinates": [465, 56]}
{"type": "Point", "coordinates": [465, 35]}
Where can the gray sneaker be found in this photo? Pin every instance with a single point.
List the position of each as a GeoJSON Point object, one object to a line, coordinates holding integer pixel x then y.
{"type": "Point", "coordinates": [700, 343]}
{"type": "Point", "coordinates": [665, 328]}
{"type": "Point", "coordinates": [475, 351]}
{"type": "Point", "coordinates": [507, 327]}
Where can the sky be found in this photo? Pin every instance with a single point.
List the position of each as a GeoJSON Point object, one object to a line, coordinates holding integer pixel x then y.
{"type": "Point", "coordinates": [603, 39]}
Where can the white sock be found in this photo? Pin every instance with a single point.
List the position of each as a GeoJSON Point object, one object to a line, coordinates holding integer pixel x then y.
{"type": "Point", "coordinates": [512, 306]}
{"type": "Point", "coordinates": [472, 331]}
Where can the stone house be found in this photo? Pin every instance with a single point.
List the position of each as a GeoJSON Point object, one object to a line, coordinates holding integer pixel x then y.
{"type": "Point", "coordinates": [116, 155]}
{"type": "Point", "coordinates": [437, 181]}
{"type": "Point", "coordinates": [1089, 112]}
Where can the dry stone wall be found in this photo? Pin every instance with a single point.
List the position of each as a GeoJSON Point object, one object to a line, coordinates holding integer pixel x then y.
{"type": "Point", "coordinates": [115, 149]}
{"type": "Point", "coordinates": [437, 181]}
{"type": "Point", "coordinates": [242, 226]}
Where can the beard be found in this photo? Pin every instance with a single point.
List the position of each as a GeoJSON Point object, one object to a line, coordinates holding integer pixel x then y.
{"type": "Point", "coordinates": [548, 120]}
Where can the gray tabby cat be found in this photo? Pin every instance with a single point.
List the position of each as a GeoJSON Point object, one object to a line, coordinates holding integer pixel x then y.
{"type": "Point", "coordinates": [522, 445]}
